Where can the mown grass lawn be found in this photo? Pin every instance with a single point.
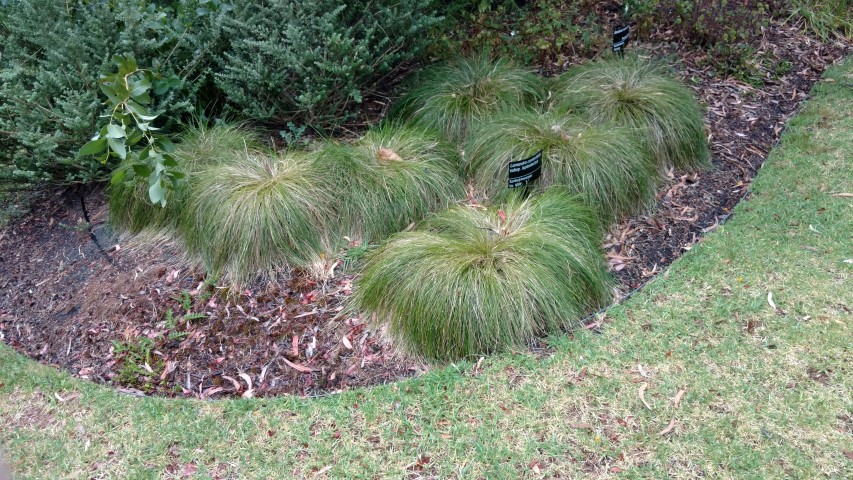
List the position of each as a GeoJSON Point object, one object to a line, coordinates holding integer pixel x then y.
{"type": "Point", "coordinates": [767, 393]}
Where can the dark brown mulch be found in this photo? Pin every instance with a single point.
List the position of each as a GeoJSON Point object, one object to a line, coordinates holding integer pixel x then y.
{"type": "Point", "coordinates": [70, 298]}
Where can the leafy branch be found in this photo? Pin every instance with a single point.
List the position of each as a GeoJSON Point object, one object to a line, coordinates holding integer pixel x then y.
{"type": "Point", "coordinates": [130, 134]}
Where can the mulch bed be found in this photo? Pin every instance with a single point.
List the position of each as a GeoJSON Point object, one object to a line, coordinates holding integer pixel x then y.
{"type": "Point", "coordinates": [140, 319]}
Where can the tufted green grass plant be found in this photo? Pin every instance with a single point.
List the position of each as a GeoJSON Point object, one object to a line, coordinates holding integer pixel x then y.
{"type": "Point", "coordinates": [608, 165]}
{"type": "Point", "coordinates": [451, 98]}
{"type": "Point", "coordinates": [390, 178]}
{"type": "Point", "coordinates": [474, 280]}
{"type": "Point", "coordinates": [256, 215]}
{"type": "Point", "coordinates": [639, 94]}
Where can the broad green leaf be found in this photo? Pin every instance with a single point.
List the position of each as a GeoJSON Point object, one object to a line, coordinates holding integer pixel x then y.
{"type": "Point", "coordinates": [165, 144]}
{"type": "Point", "coordinates": [115, 131]}
{"type": "Point", "coordinates": [118, 177]}
{"type": "Point", "coordinates": [117, 146]}
{"type": "Point", "coordinates": [142, 170]}
{"type": "Point", "coordinates": [94, 147]}
{"type": "Point", "coordinates": [157, 193]}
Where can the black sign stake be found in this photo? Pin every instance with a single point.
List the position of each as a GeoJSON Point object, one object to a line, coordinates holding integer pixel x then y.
{"type": "Point", "coordinates": [525, 171]}
{"type": "Point", "coordinates": [621, 35]}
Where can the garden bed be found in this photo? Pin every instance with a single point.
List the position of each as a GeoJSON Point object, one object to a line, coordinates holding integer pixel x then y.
{"type": "Point", "coordinates": [139, 318]}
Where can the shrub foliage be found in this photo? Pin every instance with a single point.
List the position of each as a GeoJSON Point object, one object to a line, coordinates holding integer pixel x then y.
{"type": "Point", "coordinates": [452, 98]}
{"type": "Point", "coordinates": [315, 61]}
{"type": "Point", "coordinates": [608, 165]}
{"type": "Point", "coordinates": [473, 281]}
{"type": "Point", "coordinates": [640, 95]}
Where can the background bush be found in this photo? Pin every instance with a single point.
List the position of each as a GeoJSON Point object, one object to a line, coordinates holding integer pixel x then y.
{"type": "Point", "coordinates": [51, 56]}
{"type": "Point", "coordinates": [279, 61]}
{"type": "Point", "coordinates": [315, 61]}
{"type": "Point", "coordinates": [472, 281]}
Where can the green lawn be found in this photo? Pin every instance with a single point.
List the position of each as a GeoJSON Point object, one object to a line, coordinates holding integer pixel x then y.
{"type": "Point", "coordinates": [769, 392]}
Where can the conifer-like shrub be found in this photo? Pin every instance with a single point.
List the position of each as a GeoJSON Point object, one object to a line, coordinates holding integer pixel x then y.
{"type": "Point", "coordinates": [313, 62]}
{"type": "Point", "coordinates": [390, 178]}
{"type": "Point", "coordinates": [471, 281]}
{"type": "Point", "coordinates": [256, 215]}
{"type": "Point", "coordinates": [51, 56]}
{"type": "Point", "coordinates": [200, 146]}
{"type": "Point", "coordinates": [452, 98]}
{"type": "Point", "coordinates": [639, 94]}
{"type": "Point", "coordinates": [608, 165]}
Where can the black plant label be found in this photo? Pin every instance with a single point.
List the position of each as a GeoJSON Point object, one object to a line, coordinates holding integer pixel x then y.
{"type": "Point", "coordinates": [525, 171]}
{"type": "Point", "coordinates": [621, 35]}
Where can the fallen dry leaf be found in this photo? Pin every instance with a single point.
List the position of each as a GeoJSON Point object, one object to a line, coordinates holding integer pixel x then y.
{"type": "Point", "coordinates": [388, 154]}
{"type": "Point", "coordinates": [676, 402]}
{"type": "Point", "coordinates": [296, 366]}
{"type": "Point", "coordinates": [642, 395]}
{"type": "Point", "coordinates": [346, 342]}
{"type": "Point", "coordinates": [843, 195]}
{"type": "Point", "coordinates": [668, 427]}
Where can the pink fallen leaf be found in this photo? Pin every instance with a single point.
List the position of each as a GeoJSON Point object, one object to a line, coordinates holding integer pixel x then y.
{"type": "Point", "coordinates": [234, 382]}
{"type": "Point", "coordinates": [298, 367]}
{"type": "Point", "coordinates": [668, 427]}
{"type": "Point", "coordinates": [678, 396]}
{"type": "Point", "coordinates": [346, 342]}
{"type": "Point", "coordinates": [247, 378]}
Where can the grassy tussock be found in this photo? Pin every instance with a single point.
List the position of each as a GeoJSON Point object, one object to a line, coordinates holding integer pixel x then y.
{"type": "Point", "coordinates": [199, 147]}
{"type": "Point", "coordinates": [472, 281]}
{"type": "Point", "coordinates": [453, 97]}
{"type": "Point", "coordinates": [639, 94]}
{"type": "Point", "coordinates": [608, 165]}
{"type": "Point", "coordinates": [256, 215]}
{"type": "Point", "coordinates": [388, 179]}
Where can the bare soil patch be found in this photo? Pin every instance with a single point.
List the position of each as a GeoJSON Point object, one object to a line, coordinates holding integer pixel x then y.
{"type": "Point", "coordinates": [139, 319]}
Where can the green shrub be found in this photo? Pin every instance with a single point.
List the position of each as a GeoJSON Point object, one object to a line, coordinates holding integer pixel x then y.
{"type": "Point", "coordinates": [472, 281]}
{"type": "Point", "coordinates": [638, 94]}
{"type": "Point", "coordinates": [608, 165]}
{"type": "Point", "coordinates": [726, 30]}
{"type": "Point", "coordinates": [199, 147]}
{"type": "Point", "coordinates": [51, 55]}
{"type": "Point", "coordinates": [390, 178]}
{"type": "Point", "coordinates": [314, 62]}
{"type": "Point", "coordinates": [451, 98]}
{"type": "Point", "coordinates": [256, 215]}
{"type": "Point", "coordinates": [545, 32]}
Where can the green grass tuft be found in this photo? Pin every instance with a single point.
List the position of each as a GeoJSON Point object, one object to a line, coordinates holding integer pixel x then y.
{"type": "Point", "coordinates": [451, 98]}
{"type": "Point", "coordinates": [256, 215]}
{"type": "Point", "coordinates": [639, 94]}
{"type": "Point", "coordinates": [472, 281]}
{"type": "Point", "coordinates": [608, 165]}
{"type": "Point", "coordinates": [387, 180]}
{"type": "Point", "coordinates": [199, 146]}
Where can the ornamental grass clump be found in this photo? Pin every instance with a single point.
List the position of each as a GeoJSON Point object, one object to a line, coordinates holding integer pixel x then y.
{"type": "Point", "coordinates": [451, 98]}
{"type": "Point", "coordinates": [391, 177]}
{"type": "Point", "coordinates": [200, 146]}
{"type": "Point", "coordinates": [608, 165]}
{"type": "Point", "coordinates": [256, 215]}
{"type": "Point", "coordinates": [638, 94]}
{"type": "Point", "coordinates": [471, 281]}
